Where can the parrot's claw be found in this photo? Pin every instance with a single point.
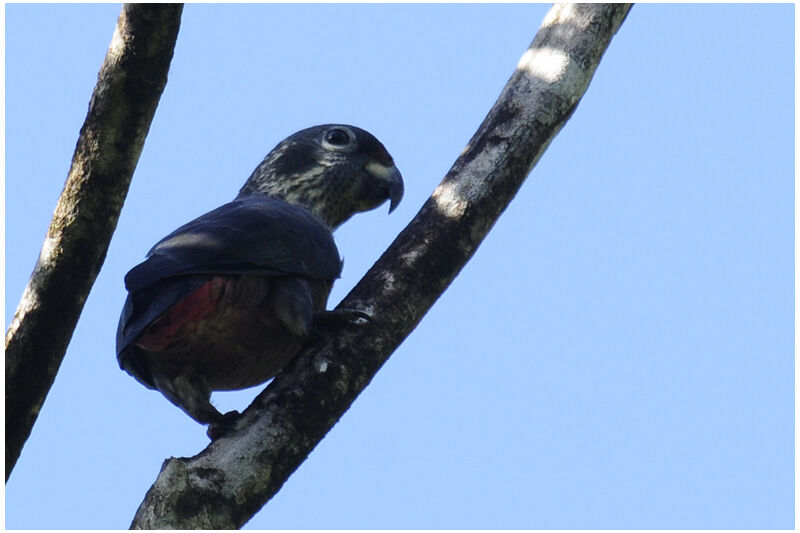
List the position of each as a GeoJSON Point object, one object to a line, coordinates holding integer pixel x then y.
{"type": "Point", "coordinates": [342, 316]}
{"type": "Point", "coordinates": [338, 317]}
{"type": "Point", "coordinates": [223, 426]}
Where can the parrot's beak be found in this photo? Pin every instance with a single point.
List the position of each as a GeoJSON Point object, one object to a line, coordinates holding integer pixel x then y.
{"type": "Point", "coordinates": [395, 188]}
{"type": "Point", "coordinates": [391, 179]}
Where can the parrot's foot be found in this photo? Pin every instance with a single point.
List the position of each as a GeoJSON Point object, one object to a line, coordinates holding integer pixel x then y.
{"type": "Point", "coordinates": [342, 316]}
{"type": "Point", "coordinates": [223, 425]}
{"type": "Point", "coordinates": [337, 317]}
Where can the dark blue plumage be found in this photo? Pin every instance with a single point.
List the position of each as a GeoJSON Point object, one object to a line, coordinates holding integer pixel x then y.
{"type": "Point", "coordinates": [252, 235]}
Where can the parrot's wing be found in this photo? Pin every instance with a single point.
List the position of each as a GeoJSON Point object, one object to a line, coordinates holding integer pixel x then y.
{"type": "Point", "coordinates": [140, 310]}
{"type": "Point", "coordinates": [253, 235]}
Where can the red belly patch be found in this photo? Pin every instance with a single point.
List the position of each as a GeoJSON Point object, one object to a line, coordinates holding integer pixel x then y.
{"type": "Point", "coordinates": [197, 306]}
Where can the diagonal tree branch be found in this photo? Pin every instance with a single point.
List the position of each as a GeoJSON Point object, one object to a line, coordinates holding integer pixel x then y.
{"type": "Point", "coordinates": [121, 109]}
{"type": "Point", "coordinates": [228, 482]}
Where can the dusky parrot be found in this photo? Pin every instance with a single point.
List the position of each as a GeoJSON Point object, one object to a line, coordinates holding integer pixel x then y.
{"type": "Point", "coordinates": [227, 300]}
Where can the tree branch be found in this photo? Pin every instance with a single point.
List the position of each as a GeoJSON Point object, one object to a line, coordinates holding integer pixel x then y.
{"type": "Point", "coordinates": [121, 109]}
{"type": "Point", "coordinates": [228, 482]}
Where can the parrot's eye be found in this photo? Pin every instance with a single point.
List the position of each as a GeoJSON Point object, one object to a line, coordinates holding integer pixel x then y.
{"type": "Point", "coordinates": [337, 138]}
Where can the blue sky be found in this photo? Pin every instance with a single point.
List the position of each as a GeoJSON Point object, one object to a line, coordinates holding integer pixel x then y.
{"type": "Point", "coordinates": [617, 354]}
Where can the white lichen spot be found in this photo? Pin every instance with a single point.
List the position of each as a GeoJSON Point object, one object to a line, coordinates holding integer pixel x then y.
{"type": "Point", "coordinates": [410, 257]}
{"type": "Point", "coordinates": [388, 279]}
{"type": "Point", "coordinates": [321, 364]}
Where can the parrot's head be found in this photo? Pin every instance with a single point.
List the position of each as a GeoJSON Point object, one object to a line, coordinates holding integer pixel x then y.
{"type": "Point", "coordinates": [333, 170]}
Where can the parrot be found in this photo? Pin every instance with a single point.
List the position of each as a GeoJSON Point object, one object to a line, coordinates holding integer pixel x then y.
{"type": "Point", "coordinates": [225, 301]}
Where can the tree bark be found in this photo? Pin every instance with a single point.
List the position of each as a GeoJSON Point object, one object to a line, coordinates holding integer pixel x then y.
{"type": "Point", "coordinates": [128, 89]}
{"type": "Point", "coordinates": [229, 481]}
